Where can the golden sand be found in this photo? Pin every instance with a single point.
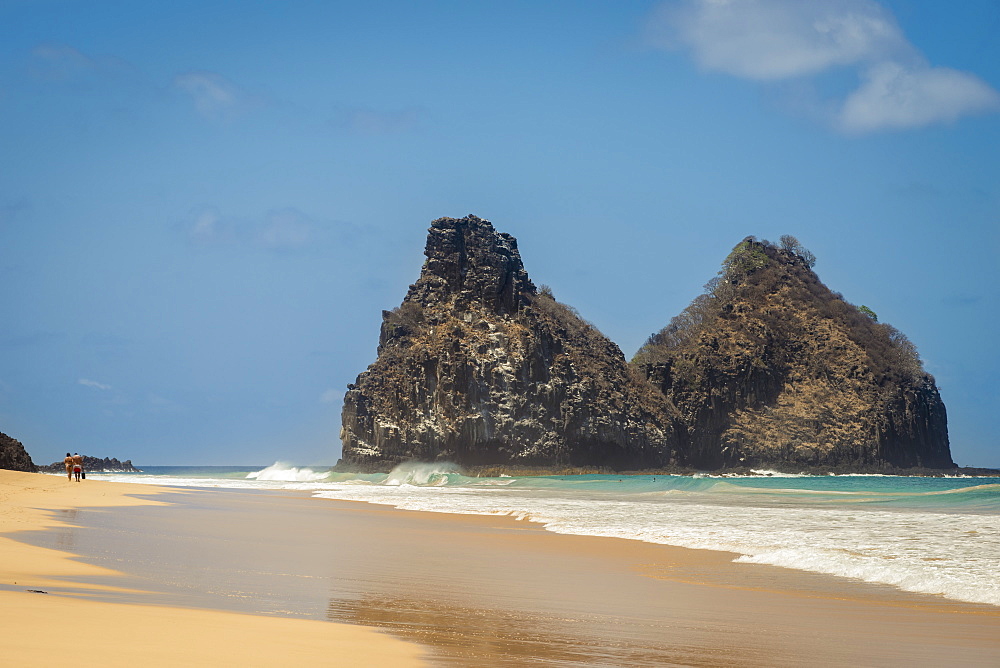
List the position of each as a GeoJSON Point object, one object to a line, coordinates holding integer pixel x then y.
{"type": "Point", "coordinates": [47, 630]}
{"type": "Point", "coordinates": [470, 590]}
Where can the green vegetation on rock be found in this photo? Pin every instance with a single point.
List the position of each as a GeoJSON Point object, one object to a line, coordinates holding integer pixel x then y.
{"type": "Point", "coordinates": [868, 312]}
{"type": "Point", "coordinates": [770, 367]}
{"type": "Point", "coordinates": [767, 367]}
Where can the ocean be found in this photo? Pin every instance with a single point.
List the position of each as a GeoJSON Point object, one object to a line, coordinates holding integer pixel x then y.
{"type": "Point", "coordinates": [929, 535]}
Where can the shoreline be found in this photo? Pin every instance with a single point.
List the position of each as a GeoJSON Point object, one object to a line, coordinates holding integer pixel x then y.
{"type": "Point", "coordinates": [46, 593]}
{"type": "Point", "coordinates": [493, 589]}
{"type": "Point", "coordinates": [953, 559]}
{"type": "Point", "coordinates": [764, 470]}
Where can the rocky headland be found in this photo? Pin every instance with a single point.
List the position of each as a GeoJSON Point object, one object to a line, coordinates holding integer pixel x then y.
{"type": "Point", "coordinates": [768, 368]}
{"type": "Point", "coordinates": [95, 464]}
{"type": "Point", "coordinates": [13, 456]}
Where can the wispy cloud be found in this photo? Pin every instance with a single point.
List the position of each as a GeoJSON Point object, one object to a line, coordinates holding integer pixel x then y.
{"type": "Point", "coordinates": [214, 96]}
{"type": "Point", "coordinates": [281, 229]}
{"type": "Point", "coordinates": [285, 229]}
{"type": "Point", "coordinates": [86, 382]}
{"type": "Point", "coordinates": [772, 40]}
{"type": "Point", "coordinates": [367, 121]}
{"type": "Point", "coordinates": [892, 96]}
{"type": "Point", "coordinates": [161, 404]}
{"type": "Point", "coordinates": [60, 61]}
{"type": "Point", "coordinates": [331, 397]}
{"type": "Point", "coordinates": [65, 63]}
{"type": "Point", "coordinates": [207, 226]}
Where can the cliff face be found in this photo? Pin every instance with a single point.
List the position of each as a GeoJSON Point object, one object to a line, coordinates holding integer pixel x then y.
{"type": "Point", "coordinates": [768, 368]}
{"type": "Point", "coordinates": [478, 367]}
{"type": "Point", "coordinates": [13, 455]}
{"type": "Point", "coordinates": [771, 368]}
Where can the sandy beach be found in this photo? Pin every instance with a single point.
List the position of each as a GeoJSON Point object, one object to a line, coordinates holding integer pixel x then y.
{"type": "Point", "coordinates": [70, 624]}
{"type": "Point", "coordinates": [226, 568]}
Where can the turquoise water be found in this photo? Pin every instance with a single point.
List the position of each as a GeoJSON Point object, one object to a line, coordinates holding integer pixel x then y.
{"type": "Point", "coordinates": [941, 494]}
{"type": "Point", "coordinates": [933, 535]}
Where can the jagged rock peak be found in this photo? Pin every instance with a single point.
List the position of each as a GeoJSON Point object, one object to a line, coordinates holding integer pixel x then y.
{"type": "Point", "coordinates": [470, 261]}
{"type": "Point", "coordinates": [476, 367]}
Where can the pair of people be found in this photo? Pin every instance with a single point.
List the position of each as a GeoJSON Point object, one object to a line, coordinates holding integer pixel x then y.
{"type": "Point", "coordinates": [74, 466]}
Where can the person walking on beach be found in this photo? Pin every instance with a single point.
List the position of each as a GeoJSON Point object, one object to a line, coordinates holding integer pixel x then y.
{"type": "Point", "coordinates": [68, 463]}
{"type": "Point", "coordinates": [77, 465]}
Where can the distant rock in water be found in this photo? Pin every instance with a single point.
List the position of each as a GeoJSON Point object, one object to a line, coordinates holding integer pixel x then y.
{"type": "Point", "coordinates": [96, 465]}
{"type": "Point", "coordinates": [770, 368]}
{"type": "Point", "coordinates": [478, 367]}
{"type": "Point", "coordinates": [13, 456]}
{"type": "Point", "coordinates": [109, 465]}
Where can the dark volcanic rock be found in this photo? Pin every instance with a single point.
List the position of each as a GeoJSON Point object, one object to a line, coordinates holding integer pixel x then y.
{"type": "Point", "coordinates": [95, 464]}
{"type": "Point", "coordinates": [13, 456]}
{"type": "Point", "coordinates": [771, 368]}
{"type": "Point", "coordinates": [478, 367]}
{"type": "Point", "coordinates": [768, 368]}
{"type": "Point", "coordinates": [109, 465]}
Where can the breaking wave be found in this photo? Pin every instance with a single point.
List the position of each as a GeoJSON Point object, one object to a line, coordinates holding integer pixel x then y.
{"type": "Point", "coordinates": [423, 474]}
{"type": "Point", "coordinates": [930, 535]}
{"type": "Point", "coordinates": [281, 472]}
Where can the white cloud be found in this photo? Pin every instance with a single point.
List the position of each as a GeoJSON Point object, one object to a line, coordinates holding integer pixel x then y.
{"type": "Point", "coordinates": [331, 397]}
{"type": "Point", "coordinates": [776, 39]}
{"type": "Point", "coordinates": [214, 95]}
{"type": "Point", "coordinates": [86, 382]}
{"type": "Point", "coordinates": [771, 40]}
{"type": "Point", "coordinates": [892, 96]}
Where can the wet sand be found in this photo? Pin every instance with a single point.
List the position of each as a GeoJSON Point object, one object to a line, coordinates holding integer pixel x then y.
{"type": "Point", "coordinates": [501, 592]}
{"type": "Point", "coordinates": [54, 608]}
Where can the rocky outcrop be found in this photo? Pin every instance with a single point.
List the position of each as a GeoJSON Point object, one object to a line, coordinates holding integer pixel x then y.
{"type": "Point", "coordinates": [96, 465]}
{"type": "Point", "coordinates": [478, 367]}
{"type": "Point", "coordinates": [13, 456]}
{"type": "Point", "coordinates": [770, 368]}
{"type": "Point", "coordinates": [109, 465]}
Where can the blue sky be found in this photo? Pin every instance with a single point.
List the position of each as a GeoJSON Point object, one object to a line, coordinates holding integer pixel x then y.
{"type": "Point", "coordinates": [204, 206]}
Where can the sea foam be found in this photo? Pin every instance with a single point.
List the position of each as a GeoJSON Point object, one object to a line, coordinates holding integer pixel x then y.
{"type": "Point", "coordinates": [281, 472]}
{"type": "Point", "coordinates": [927, 535]}
{"type": "Point", "coordinates": [422, 474]}
{"type": "Point", "coordinates": [889, 537]}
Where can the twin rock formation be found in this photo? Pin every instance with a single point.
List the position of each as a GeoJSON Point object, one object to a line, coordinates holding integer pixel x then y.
{"type": "Point", "coordinates": [768, 368]}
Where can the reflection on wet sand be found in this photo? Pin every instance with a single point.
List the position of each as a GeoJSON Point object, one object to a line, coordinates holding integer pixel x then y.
{"type": "Point", "coordinates": [65, 535]}
{"type": "Point", "coordinates": [496, 591]}
{"type": "Point", "coordinates": [482, 636]}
